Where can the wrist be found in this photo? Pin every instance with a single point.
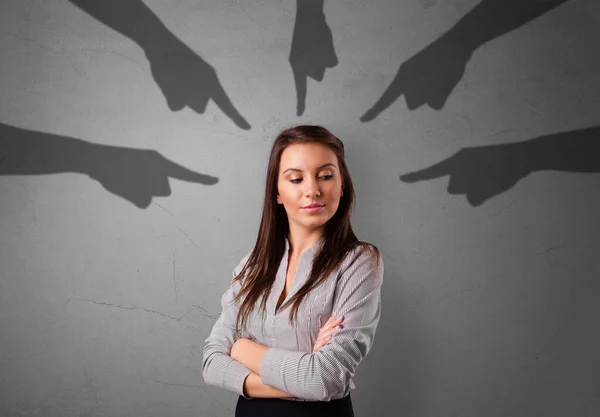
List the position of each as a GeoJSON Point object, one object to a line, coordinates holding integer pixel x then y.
{"type": "Point", "coordinates": [255, 388]}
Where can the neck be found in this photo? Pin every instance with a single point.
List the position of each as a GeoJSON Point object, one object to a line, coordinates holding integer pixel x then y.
{"type": "Point", "coordinates": [302, 242]}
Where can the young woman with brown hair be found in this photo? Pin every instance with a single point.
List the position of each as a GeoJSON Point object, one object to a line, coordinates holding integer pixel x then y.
{"type": "Point", "coordinates": [296, 352]}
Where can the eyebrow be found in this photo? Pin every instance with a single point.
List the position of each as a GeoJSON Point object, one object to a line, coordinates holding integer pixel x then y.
{"type": "Point", "coordinates": [318, 169]}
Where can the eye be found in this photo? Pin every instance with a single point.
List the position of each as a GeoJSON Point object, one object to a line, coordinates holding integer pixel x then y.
{"type": "Point", "coordinates": [324, 177]}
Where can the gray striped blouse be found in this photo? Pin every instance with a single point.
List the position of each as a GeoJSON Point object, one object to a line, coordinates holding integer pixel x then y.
{"type": "Point", "coordinates": [353, 290]}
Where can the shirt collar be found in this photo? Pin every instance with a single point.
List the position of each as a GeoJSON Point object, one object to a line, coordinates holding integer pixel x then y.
{"type": "Point", "coordinates": [310, 251]}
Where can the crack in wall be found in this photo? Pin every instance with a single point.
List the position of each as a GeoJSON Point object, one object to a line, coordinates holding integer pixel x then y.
{"type": "Point", "coordinates": [147, 310]}
{"type": "Point", "coordinates": [164, 208]}
{"type": "Point", "coordinates": [190, 239]}
{"type": "Point", "coordinates": [551, 249]}
{"type": "Point", "coordinates": [178, 385]}
{"type": "Point", "coordinates": [174, 279]}
{"type": "Point", "coordinates": [203, 309]}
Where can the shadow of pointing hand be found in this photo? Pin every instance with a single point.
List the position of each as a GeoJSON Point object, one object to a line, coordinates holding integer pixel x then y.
{"type": "Point", "coordinates": [430, 75]}
{"type": "Point", "coordinates": [312, 50]}
{"type": "Point", "coordinates": [478, 173]}
{"type": "Point", "coordinates": [139, 174]}
{"type": "Point", "coordinates": [481, 173]}
{"type": "Point", "coordinates": [427, 78]}
{"type": "Point", "coordinates": [184, 78]}
{"type": "Point", "coordinates": [136, 175]}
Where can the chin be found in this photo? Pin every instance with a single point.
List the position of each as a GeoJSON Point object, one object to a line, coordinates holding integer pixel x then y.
{"type": "Point", "coordinates": [317, 224]}
{"type": "Point", "coordinates": [313, 225]}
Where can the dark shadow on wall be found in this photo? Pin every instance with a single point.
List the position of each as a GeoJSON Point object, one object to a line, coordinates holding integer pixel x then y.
{"type": "Point", "coordinates": [483, 172]}
{"type": "Point", "coordinates": [312, 48]}
{"type": "Point", "coordinates": [184, 78]}
{"type": "Point", "coordinates": [137, 175]}
{"type": "Point", "coordinates": [429, 76]}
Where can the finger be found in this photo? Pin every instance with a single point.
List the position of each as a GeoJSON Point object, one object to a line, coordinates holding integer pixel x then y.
{"type": "Point", "coordinates": [327, 335]}
{"type": "Point", "coordinates": [437, 170]}
{"type": "Point", "coordinates": [329, 321]}
{"type": "Point", "coordinates": [175, 170]}
{"type": "Point", "coordinates": [333, 330]}
{"type": "Point", "coordinates": [318, 345]}
{"type": "Point", "coordinates": [321, 342]}
{"type": "Point", "coordinates": [332, 324]}
{"type": "Point", "coordinates": [390, 95]}
{"type": "Point", "coordinates": [324, 335]}
{"type": "Point", "coordinates": [224, 103]}
{"type": "Point", "coordinates": [300, 82]}
{"type": "Point", "coordinates": [337, 321]}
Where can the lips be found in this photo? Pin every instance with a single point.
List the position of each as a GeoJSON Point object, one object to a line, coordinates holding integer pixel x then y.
{"type": "Point", "coordinates": [313, 206]}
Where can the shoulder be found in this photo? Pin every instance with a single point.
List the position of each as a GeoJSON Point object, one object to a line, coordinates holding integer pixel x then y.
{"type": "Point", "coordinates": [363, 259]}
{"type": "Point", "coordinates": [241, 264]}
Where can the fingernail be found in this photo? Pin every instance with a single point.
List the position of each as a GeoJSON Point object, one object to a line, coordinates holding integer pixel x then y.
{"type": "Point", "coordinates": [340, 326]}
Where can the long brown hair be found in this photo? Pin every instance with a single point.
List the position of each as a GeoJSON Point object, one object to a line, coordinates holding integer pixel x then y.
{"type": "Point", "coordinates": [258, 273]}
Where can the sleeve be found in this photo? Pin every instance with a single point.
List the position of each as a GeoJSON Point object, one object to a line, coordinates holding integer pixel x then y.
{"type": "Point", "coordinates": [322, 375]}
{"type": "Point", "coordinates": [218, 368]}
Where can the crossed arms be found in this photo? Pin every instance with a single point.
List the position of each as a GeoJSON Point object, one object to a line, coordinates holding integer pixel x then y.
{"type": "Point", "coordinates": [268, 372]}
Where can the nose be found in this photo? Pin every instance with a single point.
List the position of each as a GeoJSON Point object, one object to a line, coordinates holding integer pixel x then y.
{"type": "Point", "coordinates": [312, 188]}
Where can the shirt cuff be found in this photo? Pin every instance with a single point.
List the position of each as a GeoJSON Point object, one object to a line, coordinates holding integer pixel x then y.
{"type": "Point", "coordinates": [272, 365]}
{"type": "Point", "coordinates": [234, 377]}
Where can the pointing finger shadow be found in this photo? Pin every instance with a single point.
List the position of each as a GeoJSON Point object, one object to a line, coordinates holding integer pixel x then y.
{"type": "Point", "coordinates": [136, 175]}
{"type": "Point", "coordinates": [430, 76]}
{"type": "Point", "coordinates": [481, 173]}
{"type": "Point", "coordinates": [312, 50]}
{"type": "Point", "coordinates": [184, 78]}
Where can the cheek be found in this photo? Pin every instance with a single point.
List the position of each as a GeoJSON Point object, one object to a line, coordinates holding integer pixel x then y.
{"type": "Point", "coordinates": [334, 190]}
{"type": "Point", "coordinates": [334, 208]}
{"type": "Point", "coordinates": [288, 195]}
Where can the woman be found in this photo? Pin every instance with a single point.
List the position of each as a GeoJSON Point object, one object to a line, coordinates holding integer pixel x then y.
{"type": "Point", "coordinates": [292, 355]}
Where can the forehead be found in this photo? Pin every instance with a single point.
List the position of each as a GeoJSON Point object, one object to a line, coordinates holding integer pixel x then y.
{"type": "Point", "coordinates": [306, 156]}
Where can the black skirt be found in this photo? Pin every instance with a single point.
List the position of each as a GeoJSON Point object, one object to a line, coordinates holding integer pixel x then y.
{"type": "Point", "coordinates": [276, 407]}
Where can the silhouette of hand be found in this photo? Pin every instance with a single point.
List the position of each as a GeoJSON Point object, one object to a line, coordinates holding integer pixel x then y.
{"type": "Point", "coordinates": [426, 78]}
{"type": "Point", "coordinates": [138, 174]}
{"type": "Point", "coordinates": [312, 50]}
{"type": "Point", "coordinates": [479, 173]}
{"type": "Point", "coordinates": [134, 174]}
{"type": "Point", "coordinates": [184, 78]}
{"type": "Point", "coordinates": [187, 80]}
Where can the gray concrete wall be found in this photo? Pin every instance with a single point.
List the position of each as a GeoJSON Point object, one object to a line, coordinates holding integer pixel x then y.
{"type": "Point", "coordinates": [133, 146]}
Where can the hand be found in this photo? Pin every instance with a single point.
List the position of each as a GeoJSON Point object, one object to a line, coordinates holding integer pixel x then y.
{"type": "Point", "coordinates": [137, 175]}
{"type": "Point", "coordinates": [312, 50]}
{"type": "Point", "coordinates": [184, 78]}
{"type": "Point", "coordinates": [480, 173]}
{"type": "Point", "coordinates": [427, 78]}
{"type": "Point", "coordinates": [326, 332]}
{"type": "Point", "coordinates": [187, 80]}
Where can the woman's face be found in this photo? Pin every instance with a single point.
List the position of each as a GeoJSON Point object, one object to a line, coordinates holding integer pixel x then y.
{"type": "Point", "coordinates": [309, 174]}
